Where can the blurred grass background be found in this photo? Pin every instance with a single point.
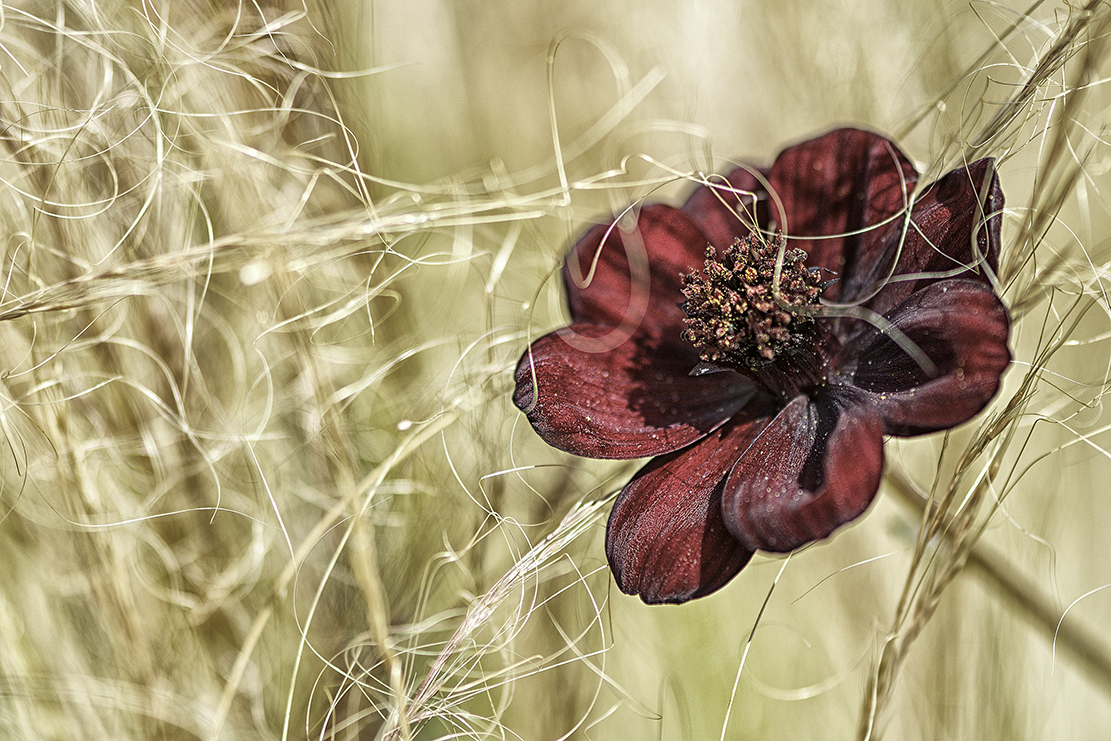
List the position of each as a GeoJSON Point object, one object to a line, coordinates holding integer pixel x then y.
{"type": "Point", "coordinates": [267, 270]}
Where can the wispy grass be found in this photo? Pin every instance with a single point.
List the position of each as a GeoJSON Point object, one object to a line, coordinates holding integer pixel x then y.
{"type": "Point", "coordinates": [267, 270]}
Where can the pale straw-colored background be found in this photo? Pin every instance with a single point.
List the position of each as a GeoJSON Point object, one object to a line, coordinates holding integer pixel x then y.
{"type": "Point", "coordinates": [267, 269]}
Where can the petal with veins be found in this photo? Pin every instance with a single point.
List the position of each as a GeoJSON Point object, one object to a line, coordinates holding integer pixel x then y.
{"type": "Point", "coordinates": [962, 327]}
{"type": "Point", "coordinates": [815, 467]}
{"type": "Point", "coordinates": [634, 280]}
{"type": "Point", "coordinates": [666, 540]}
{"type": "Point", "coordinates": [635, 400]}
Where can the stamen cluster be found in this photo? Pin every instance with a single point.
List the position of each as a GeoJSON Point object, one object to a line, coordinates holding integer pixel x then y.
{"type": "Point", "coordinates": [735, 316]}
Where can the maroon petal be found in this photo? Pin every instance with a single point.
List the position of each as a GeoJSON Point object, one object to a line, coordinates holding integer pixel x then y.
{"type": "Point", "coordinates": [634, 280]}
{"type": "Point", "coordinates": [728, 210]}
{"type": "Point", "coordinates": [666, 540]}
{"type": "Point", "coordinates": [962, 328]}
{"type": "Point", "coordinates": [845, 187]}
{"type": "Point", "coordinates": [953, 232]}
{"type": "Point", "coordinates": [815, 467]}
{"type": "Point", "coordinates": [635, 400]}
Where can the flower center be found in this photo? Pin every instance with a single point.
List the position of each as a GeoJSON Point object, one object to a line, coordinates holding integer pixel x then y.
{"type": "Point", "coordinates": [737, 314]}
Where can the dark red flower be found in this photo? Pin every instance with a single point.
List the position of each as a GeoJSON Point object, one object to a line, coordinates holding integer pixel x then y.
{"type": "Point", "coordinates": [698, 338]}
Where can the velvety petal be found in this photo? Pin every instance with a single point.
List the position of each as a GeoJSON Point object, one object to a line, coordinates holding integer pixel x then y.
{"type": "Point", "coordinates": [845, 187]}
{"type": "Point", "coordinates": [635, 400]}
{"type": "Point", "coordinates": [637, 278]}
{"type": "Point", "coordinates": [816, 466]}
{"type": "Point", "coordinates": [939, 241]}
{"type": "Point", "coordinates": [962, 328]}
{"type": "Point", "coordinates": [727, 210]}
{"type": "Point", "coordinates": [666, 540]}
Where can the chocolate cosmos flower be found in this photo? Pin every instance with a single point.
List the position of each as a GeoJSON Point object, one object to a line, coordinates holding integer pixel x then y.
{"type": "Point", "coordinates": [760, 341]}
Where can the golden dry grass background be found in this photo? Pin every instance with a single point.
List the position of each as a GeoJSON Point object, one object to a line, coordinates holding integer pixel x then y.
{"type": "Point", "coordinates": [267, 271]}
